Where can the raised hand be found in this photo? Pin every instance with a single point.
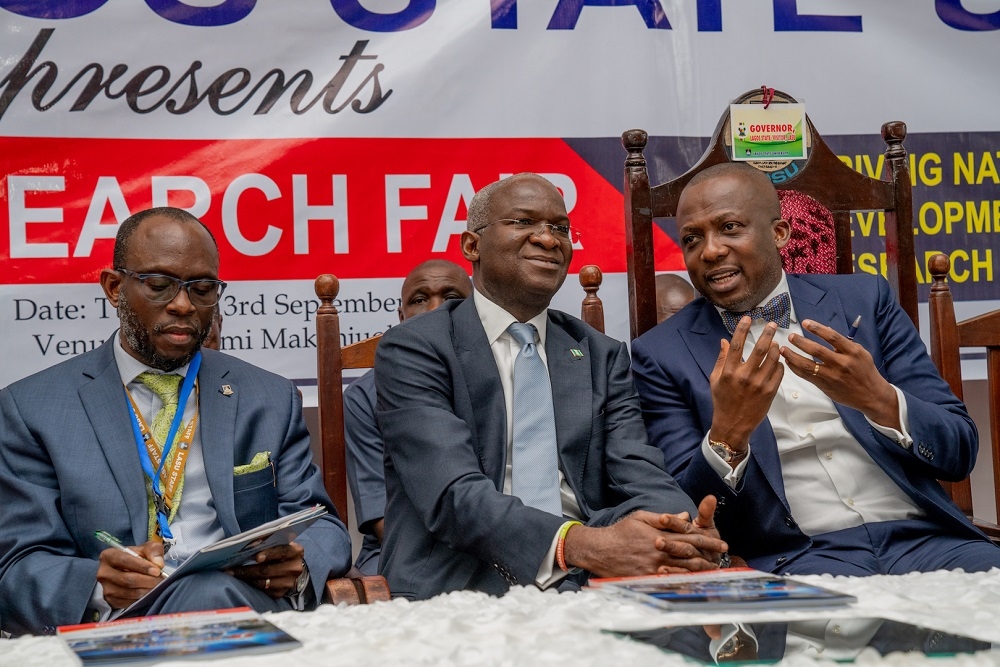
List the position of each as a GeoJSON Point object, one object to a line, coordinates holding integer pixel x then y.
{"type": "Point", "coordinates": [846, 373]}
{"type": "Point", "coordinates": [742, 391]}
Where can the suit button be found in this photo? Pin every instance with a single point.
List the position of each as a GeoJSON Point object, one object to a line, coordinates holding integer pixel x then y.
{"type": "Point", "coordinates": [781, 559]}
{"type": "Point", "coordinates": [721, 502]}
{"type": "Point", "coordinates": [790, 522]}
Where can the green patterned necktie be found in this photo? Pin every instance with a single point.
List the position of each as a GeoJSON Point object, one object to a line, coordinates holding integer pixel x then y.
{"type": "Point", "coordinates": [167, 387]}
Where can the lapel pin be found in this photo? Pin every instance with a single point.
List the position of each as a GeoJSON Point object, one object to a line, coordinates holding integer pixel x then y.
{"type": "Point", "coordinates": [227, 390]}
{"type": "Point", "coordinates": [578, 354]}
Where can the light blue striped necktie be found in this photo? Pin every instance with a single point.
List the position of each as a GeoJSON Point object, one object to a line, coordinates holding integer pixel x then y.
{"type": "Point", "coordinates": [535, 467]}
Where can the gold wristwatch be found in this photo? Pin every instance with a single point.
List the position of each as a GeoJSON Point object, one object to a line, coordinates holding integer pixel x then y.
{"type": "Point", "coordinates": [725, 452]}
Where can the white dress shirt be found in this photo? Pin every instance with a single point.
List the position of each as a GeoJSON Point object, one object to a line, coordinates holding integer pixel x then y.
{"type": "Point", "coordinates": [831, 482]}
{"type": "Point", "coordinates": [505, 350]}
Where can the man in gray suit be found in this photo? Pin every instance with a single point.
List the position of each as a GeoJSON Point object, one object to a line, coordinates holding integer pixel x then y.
{"type": "Point", "coordinates": [447, 411]}
{"type": "Point", "coordinates": [80, 444]}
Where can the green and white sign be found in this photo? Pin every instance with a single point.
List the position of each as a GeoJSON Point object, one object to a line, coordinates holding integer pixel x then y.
{"type": "Point", "coordinates": [771, 133]}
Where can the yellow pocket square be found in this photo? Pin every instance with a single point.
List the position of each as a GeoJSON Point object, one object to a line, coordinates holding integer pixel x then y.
{"type": "Point", "coordinates": [260, 461]}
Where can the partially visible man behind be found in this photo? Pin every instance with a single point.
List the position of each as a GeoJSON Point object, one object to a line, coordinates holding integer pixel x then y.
{"type": "Point", "coordinates": [515, 449]}
{"type": "Point", "coordinates": [429, 285]}
{"type": "Point", "coordinates": [80, 444]}
{"type": "Point", "coordinates": [806, 403]}
{"type": "Point", "coordinates": [672, 294]}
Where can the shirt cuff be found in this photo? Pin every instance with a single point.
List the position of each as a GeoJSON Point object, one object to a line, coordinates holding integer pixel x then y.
{"type": "Point", "coordinates": [903, 438]}
{"type": "Point", "coordinates": [731, 476]}
{"type": "Point", "coordinates": [99, 611]}
{"type": "Point", "coordinates": [299, 595]}
{"type": "Point", "coordinates": [549, 573]}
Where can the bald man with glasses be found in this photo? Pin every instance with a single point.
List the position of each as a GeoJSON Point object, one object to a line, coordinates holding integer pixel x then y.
{"type": "Point", "coordinates": [89, 444]}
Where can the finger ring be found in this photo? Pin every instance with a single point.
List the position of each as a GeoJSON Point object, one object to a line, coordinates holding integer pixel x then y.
{"type": "Point", "coordinates": [267, 583]}
{"type": "Point", "coordinates": [816, 369]}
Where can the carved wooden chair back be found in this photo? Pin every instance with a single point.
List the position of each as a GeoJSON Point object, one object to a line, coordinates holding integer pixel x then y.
{"type": "Point", "coordinates": [948, 337]}
{"type": "Point", "coordinates": [822, 176]}
{"type": "Point", "coordinates": [592, 308]}
{"type": "Point", "coordinates": [332, 359]}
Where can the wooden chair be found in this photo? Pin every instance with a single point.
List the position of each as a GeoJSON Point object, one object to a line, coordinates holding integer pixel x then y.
{"type": "Point", "coordinates": [822, 176]}
{"type": "Point", "coordinates": [947, 338]}
{"type": "Point", "coordinates": [592, 308]}
{"type": "Point", "coordinates": [332, 359]}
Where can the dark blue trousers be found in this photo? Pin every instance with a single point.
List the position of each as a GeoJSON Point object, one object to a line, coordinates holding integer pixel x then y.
{"type": "Point", "coordinates": [893, 547]}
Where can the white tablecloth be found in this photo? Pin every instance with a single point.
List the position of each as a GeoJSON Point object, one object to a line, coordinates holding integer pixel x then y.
{"type": "Point", "coordinates": [530, 627]}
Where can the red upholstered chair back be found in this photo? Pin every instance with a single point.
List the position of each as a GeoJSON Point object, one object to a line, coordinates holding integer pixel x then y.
{"type": "Point", "coordinates": [812, 247]}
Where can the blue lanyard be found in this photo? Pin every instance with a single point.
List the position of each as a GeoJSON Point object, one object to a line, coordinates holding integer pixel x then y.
{"type": "Point", "coordinates": [145, 461]}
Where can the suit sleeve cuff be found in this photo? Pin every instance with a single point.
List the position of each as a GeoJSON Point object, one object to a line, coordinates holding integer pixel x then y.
{"type": "Point", "coordinates": [549, 573]}
{"type": "Point", "coordinates": [731, 476]}
{"type": "Point", "coordinates": [902, 438]}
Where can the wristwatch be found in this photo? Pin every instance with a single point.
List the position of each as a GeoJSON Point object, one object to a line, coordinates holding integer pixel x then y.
{"type": "Point", "coordinates": [725, 452]}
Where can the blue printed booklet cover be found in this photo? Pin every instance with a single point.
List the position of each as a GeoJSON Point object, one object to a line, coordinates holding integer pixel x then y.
{"type": "Point", "coordinates": [199, 635]}
{"type": "Point", "coordinates": [729, 589]}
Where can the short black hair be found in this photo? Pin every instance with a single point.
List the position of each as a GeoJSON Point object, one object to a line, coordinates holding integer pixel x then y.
{"type": "Point", "coordinates": [128, 227]}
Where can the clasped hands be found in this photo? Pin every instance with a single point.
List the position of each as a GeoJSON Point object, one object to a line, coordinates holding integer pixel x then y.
{"type": "Point", "coordinates": [126, 578]}
{"type": "Point", "coordinates": [742, 391]}
{"type": "Point", "coordinates": [649, 543]}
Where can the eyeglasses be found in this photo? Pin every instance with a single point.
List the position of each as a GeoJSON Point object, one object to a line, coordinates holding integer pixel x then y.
{"type": "Point", "coordinates": [159, 288]}
{"type": "Point", "coordinates": [531, 226]}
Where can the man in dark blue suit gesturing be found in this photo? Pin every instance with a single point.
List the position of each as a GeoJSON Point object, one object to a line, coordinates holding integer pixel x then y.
{"type": "Point", "coordinates": [485, 489]}
{"type": "Point", "coordinates": [821, 433]}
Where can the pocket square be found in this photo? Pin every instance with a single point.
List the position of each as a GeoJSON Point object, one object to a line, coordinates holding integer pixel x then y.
{"type": "Point", "coordinates": [260, 461]}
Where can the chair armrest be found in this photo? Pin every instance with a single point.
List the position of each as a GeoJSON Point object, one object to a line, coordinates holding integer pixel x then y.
{"type": "Point", "coordinates": [992, 530]}
{"type": "Point", "coordinates": [356, 588]}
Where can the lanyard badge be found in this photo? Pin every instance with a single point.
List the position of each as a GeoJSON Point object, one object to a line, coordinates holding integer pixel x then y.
{"type": "Point", "coordinates": [150, 455]}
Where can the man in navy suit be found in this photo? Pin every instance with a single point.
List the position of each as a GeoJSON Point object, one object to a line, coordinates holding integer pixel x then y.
{"type": "Point", "coordinates": [823, 436]}
{"type": "Point", "coordinates": [455, 518]}
{"type": "Point", "coordinates": [80, 443]}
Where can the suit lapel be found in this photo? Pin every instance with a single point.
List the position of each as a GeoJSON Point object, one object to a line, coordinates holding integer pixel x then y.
{"type": "Point", "coordinates": [103, 399]}
{"type": "Point", "coordinates": [482, 380]}
{"type": "Point", "coordinates": [217, 429]}
{"type": "Point", "coordinates": [813, 303]}
{"type": "Point", "coordinates": [825, 307]}
{"type": "Point", "coordinates": [703, 341]}
{"type": "Point", "coordinates": [704, 335]}
{"type": "Point", "coordinates": [572, 399]}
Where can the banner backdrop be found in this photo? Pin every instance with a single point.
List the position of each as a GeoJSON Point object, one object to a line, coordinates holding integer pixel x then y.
{"type": "Point", "coordinates": [348, 136]}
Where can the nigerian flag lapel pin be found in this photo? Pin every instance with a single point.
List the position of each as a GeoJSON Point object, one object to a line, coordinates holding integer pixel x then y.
{"type": "Point", "coordinates": [577, 354]}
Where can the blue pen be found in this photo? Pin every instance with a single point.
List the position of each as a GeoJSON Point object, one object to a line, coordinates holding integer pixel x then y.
{"type": "Point", "coordinates": [852, 330]}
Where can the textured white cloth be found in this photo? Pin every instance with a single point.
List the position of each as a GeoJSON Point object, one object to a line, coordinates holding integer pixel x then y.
{"type": "Point", "coordinates": [532, 627]}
